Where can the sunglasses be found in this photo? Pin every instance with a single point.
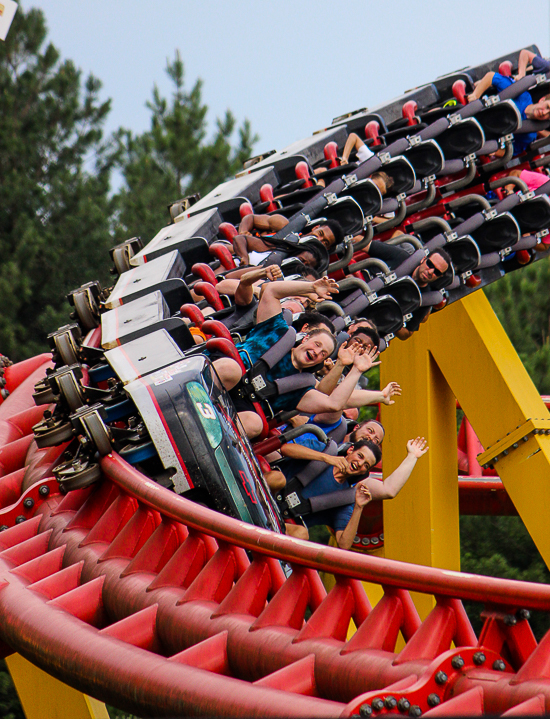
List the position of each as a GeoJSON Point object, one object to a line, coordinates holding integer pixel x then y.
{"type": "Point", "coordinates": [436, 272]}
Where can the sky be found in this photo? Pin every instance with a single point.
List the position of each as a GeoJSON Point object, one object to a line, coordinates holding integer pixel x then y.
{"type": "Point", "coordinates": [289, 66]}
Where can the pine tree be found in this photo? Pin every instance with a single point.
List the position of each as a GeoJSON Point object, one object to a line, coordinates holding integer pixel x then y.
{"type": "Point", "coordinates": [54, 223]}
{"type": "Point", "coordinates": [174, 158]}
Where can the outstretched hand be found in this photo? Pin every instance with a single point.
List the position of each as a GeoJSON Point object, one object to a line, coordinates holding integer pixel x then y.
{"type": "Point", "coordinates": [366, 359]}
{"type": "Point", "coordinates": [389, 391]}
{"type": "Point", "coordinates": [324, 288]}
{"type": "Point", "coordinates": [417, 447]}
{"type": "Point", "coordinates": [347, 351]}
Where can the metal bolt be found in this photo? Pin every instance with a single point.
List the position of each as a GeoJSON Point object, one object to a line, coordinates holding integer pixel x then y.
{"type": "Point", "coordinates": [377, 704]}
{"type": "Point", "coordinates": [505, 452]}
{"type": "Point", "coordinates": [525, 439]}
{"type": "Point", "coordinates": [499, 665]}
{"type": "Point", "coordinates": [510, 620]}
{"type": "Point", "coordinates": [523, 614]}
{"type": "Point", "coordinates": [479, 658]}
{"type": "Point", "coordinates": [415, 711]}
{"type": "Point", "coordinates": [433, 700]}
{"type": "Point", "coordinates": [20, 519]}
{"type": "Point", "coordinates": [535, 431]}
{"type": "Point", "coordinates": [515, 445]}
{"type": "Point", "coordinates": [441, 678]}
{"type": "Point", "coordinates": [44, 490]}
{"type": "Point", "coordinates": [390, 702]}
{"type": "Point", "coordinates": [457, 662]}
{"type": "Point", "coordinates": [279, 498]}
{"type": "Point", "coordinates": [28, 503]}
{"type": "Point", "coordinates": [3, 527]}
{"type": "Point", "coordinates": [365, 710]}
{"type": "Point", "coordinates": [403, 705]}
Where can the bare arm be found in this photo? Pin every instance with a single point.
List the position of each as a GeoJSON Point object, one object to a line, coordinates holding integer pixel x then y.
{"type": "Point", "coordinates": [392, 485]}
{"type": "Point", "coordinates": [270, 301]}
{"type": "Point", "coordinates": [262, 223]}
{"type": "Point", "coordinates": [362, 397]}
{"type": "Point", "coordinates": [315, 402]}
{"type": "Point", "coordinates": [362, 498]}
{"type": "Point", "coordinates": [299, 451]}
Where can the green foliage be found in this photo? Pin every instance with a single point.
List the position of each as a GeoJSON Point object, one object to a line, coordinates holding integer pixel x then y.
{"type": "Point", "coordinates": [522, 302]}
{"type": "Point", "coordinates": [502, 547]}
{"type": "Point", "coordinates": [54, 220]}
{"type": "Point", "coordinates": [10, 707]}
{"type": "Point", "coordinates": [174, 158]}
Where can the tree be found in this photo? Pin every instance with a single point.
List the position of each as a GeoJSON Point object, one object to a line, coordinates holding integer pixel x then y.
{"type": "Point", "coordinates": [54, 224]}
{"type": "Point", "coordinates": [174, 158]}
{"type": "Point", "coordinates": [522, 303]}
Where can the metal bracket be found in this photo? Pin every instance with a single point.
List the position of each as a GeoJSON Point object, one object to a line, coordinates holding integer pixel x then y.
{"type": "Point", "coordinates": [414, 140]}
{"type": "Point", "coordinates": [526, 196]}
{"type": "Point", "coordinates": [450, 235]}
{"type": "Point", "coordinates": [513, 440]}
{"type": "Point", "coordinates": [454, 119]}
{"type": "Point", "coordinates": [401, 196]}
{"type": "Point", "coordinates": [489, 214]}
{"type": "Point", "coordinates": [504, 252]}
{"type": "Point", "coordinates": [372, 296]}
{"type": "Point", "coordinates": [388, 279]}
{"type": "Point", "coordinates": [330, 197]}
{"type": "Point", "coordinates": [490, 100]}
{"type": "Point", "coordinates": [349, 180]}
{"type": "Point", "coordinates": [384, 157]}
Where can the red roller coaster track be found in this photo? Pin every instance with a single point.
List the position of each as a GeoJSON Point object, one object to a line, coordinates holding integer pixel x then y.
{"type": "Point", "coordinates": [134, 595]}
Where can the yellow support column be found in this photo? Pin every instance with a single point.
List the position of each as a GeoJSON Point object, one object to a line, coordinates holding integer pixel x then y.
{"type": "Point", "coordinates": [43, 696]}
{"type": "Point", "coordinates": [421, 523]}
{"type": "Point", "coordinates": [462, 352]}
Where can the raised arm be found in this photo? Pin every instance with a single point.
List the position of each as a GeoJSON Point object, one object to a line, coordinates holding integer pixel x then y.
{"type": "Point", "coordinates": [262, 223]}
{"type": "Point", "coordinates": [392, 485]}
{"type": "Point", "coordinates": [362, 397]}
{"type": "Point", "coordinates": [525, 59]}
{"type": "Point", "coordinates": [363, 496]}
{"type": "Point", "coordinates": [299, 451]}
{"type": "Point", "coordinates": [314, 402]}
{"type": "Point", "coordinates": [270, 301]}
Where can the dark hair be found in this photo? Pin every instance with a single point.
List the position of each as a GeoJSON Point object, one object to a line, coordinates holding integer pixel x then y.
{"type": "Point", "coordinates": [353, 435]}
{"type": "Point", "coordinates": [312, 318]}
{"type": "Point", "coordinates": [369, 332]}
{"type": "Point", "coordinates": [318, 250]}
{"type": "Point", "coordinates": [335, 227]}
{"type": "Point", "coordinates": [443, 254]}
{"type": "Point", "coordinates": [308, 272]}
{"type": "Point", "coordinates": [369, 444]}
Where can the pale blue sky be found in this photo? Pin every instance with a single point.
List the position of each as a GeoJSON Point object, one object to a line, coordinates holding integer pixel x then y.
{"type": "Point", "coordinates": [289, 66]}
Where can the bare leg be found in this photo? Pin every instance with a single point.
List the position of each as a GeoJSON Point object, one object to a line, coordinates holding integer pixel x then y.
{"type": "Point", "coordinates": [298, 531]}
{"type": "Point", "coordinates": [275, 479]}
{"type": "Point", "coordinates": [228, 371]}
{"type": "Point", "coordinates": [252, 424]}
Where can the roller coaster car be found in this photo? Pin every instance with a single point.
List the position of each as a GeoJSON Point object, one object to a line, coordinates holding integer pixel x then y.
{"type": "Point", "coordinates": [197, 435]}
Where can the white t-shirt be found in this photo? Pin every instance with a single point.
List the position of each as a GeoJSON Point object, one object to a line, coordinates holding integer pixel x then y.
{"type": "Point", "coordinates": [363, 153]}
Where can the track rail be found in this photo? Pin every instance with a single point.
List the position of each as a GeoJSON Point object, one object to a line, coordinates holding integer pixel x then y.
{"type": "Point", "coordinates": [155, 604]}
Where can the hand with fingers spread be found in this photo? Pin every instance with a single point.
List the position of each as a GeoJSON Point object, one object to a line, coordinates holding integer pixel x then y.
{"type": "Point", "coordinates": [390, 390]}
{"type": "Point", "coordinates": [324, 288]}
{"type": "Point", "coordinates": [365, 359]}
{"type": "Point", "coordinates": [347, 351]}
{"type": "Point", "coordinates": [417, 447]}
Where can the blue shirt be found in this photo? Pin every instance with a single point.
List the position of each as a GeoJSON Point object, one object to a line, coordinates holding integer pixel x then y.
{"type": "Point", "coordinates": [336, 518]}
{"type": "Point", "coordinates": [261, 338]}
{"type": "Point", "coordinates": [521, 140]}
